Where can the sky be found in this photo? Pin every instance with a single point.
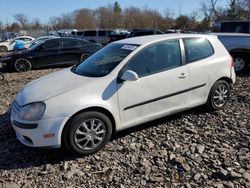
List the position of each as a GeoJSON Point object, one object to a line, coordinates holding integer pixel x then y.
{"type": "Point", "coordinates": [44, 9]}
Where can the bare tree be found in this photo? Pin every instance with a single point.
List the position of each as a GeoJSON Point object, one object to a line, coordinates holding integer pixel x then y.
{"type": "Point", "coordinates": [105, 17]}
{"type": "Point", "coordinates": [22, 19]}
{"type": "Point", "coordinates": [85, 19]}
{"type": "Point", "coordinates": [36, 24]}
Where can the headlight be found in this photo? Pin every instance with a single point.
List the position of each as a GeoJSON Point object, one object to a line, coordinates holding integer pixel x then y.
{"type": "Point", "coordinates": [32, 111]}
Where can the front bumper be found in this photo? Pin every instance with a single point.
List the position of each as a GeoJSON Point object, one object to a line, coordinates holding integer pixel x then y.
{"type": "Point", "coordinates": [46, 133]}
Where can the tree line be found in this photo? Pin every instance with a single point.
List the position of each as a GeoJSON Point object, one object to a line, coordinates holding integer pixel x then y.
{"type": "Point", "coordinates": [113, 16]}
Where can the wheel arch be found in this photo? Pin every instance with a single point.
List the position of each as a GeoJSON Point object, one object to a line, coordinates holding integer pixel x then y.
{"type": "Point", "coordinates": [241, 52]}
{"type": "Point", "coordinates": [94, 108]}
{"type": "Point", "coordinates": [228, 80]}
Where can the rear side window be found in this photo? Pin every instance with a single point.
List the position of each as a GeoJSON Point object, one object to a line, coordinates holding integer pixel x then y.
{"type": "Point", "coordinates": [197, 48]}
{"type": "Point", "coordinates": [70, 43]}
{"type": "Point", "coordinates": [90, 33]}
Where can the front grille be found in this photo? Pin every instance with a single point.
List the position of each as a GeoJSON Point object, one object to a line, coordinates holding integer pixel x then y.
{"type": "Point", "coordinates": [15, 107]}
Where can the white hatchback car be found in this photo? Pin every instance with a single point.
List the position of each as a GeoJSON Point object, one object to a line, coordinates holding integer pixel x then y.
{"type": "Point", "coordinates": [126, 83]}
{"type": "Point", "coordinates": [9, 45]}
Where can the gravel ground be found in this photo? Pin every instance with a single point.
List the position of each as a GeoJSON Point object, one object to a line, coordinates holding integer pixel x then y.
{"type": "Point", "coordinates": [193, 149]}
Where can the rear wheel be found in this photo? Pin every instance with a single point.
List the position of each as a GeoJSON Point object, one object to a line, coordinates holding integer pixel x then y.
{"type": "Point", "coordinates": [218, 96]}
{"type": "Point", "coordinates": [22, 65]}
{"type": "Point", "coordinates": [3, 49]}
{"type": "Point", "coordinates": [84, 56]}
{"type": "Point", "coordinates": [87, 133]}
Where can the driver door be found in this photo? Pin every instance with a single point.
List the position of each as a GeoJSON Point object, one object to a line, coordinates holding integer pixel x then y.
{"type": "Point", "coordinates": [160, 89]}
{"type": "Point", "coordinates": [48, 53]}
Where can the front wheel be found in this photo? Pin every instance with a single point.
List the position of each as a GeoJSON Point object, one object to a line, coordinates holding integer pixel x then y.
{"type": "Point", "coordinates": [87, 133]}
{"type": "Point", "coordinates": [218, 95]}
{"type": "Point", "coordinates": [22, 65]}
{"type": "Point", "coordinates": [3, 49]}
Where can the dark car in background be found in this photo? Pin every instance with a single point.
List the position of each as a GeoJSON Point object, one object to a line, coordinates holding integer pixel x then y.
{"type": "Point", "coordinates": [237, 26]}
{"type": "Point", "coordinates": [48, 53]}
{"type": "Point", "coordinates": [134, 33]}
{"type": "Point", "coordinates": [143, 32]}
{"type": "Point", "coordinates": [117, 36]}
{"type": "Point", "coordinates": [96, 36]}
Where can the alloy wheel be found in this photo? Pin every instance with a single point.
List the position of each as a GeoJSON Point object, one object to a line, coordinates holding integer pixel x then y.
{"type": "Point", "coordinates": [3, 49]}
{"type": "Point", "coordinates": [22, 65]}
{"type": "Point", "coordinates": [221, 95]}
{"type": "Point", "coordinates": [84, 56]}
{"type": "Point", "coordinates": [90, 134]}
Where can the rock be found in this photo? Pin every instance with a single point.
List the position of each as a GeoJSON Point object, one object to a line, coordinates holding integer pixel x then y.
{"type": "Point", "coordinates": [235, 174]}
{"type": "Point", "coordinates": [171, 157]}
{"type": "Point", "coordinates": [228, 185]}
{"type": "Point", "coordinates": [156, 178]}
{"type": "Point", "coordinates": [200, 149]}
{"type": "Point", "coordinates": [133, 146]}
{"type": "Point", "coordinates": [223, 172]}
{"type": "Point", "coordinates": [218, 185]}
{"type": "Point", "coordinates": [150, 145]}
{"type": "Point", "coordinates": [68, 175]}
{"type": "Point", "coordinates": [65, 166]}
{"type": "Point", "coordinates": [9, 185]}
{"type": "Point", "coordinates": [186, 167]}
{"type": "Point", "coordinates": [197, 177]}
{"type": "Point", "coordinates": [163, 152]}
{"type": "Point", "coordinates": [246, 176]}
{"type": "Point", "coordinates": [27, 185]}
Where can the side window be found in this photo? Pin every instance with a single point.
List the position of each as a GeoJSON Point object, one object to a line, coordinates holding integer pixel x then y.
{"type": "Point", "coordinates": [197, 48]}
{"type": "Point", "coordinates": [90, 33]}
{"type": "Point", "coordinates": [70, 43]}
{"type": "Point", "coordinates": [51, 44]}
{"type": "Point", "coordinates": [156, 58]}
{"type": "Point", "coordinates": [83, 42]}
{"type": "Point", "coordinates": [101, 33]}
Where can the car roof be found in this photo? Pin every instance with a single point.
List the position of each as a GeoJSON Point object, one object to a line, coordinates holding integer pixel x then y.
{"type": "Point", "coordinates": [230, 34]}
{"type": "Point", "coordinates": [143, 40]}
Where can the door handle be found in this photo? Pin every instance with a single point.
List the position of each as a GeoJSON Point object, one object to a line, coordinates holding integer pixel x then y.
{"type": "Point", "coordinates": [182, 75]}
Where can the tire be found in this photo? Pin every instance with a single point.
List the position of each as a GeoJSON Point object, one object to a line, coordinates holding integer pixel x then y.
{"type": "Point", "coordinates": [87, 133]}
{"type": "Point", "coordinates": [3, 49]}
{"type": "Point", "coordinates": [218, 95]}
{"type": "Point", "coordinates": [239, 63]}
{"type": "Point", "coordinates": [84, 56]}
{"type": "Point", "coordinates": [22, 65]}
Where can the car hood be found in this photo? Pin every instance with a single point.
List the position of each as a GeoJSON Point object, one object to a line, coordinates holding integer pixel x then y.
{"type": "Point", "coordinates": [50, 86]}
{"type": "Point", "coordinates": [4, 43]}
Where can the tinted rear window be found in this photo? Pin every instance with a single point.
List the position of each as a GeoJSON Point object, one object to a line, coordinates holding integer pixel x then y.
{"type": "Point", "coordinates": [197, 48]}
{"type": "Point", "coordinates": [90, 33]}
{"type": "Point", "coordinates": [235, 27]}
{"type": "Point", "coordinates": [101, 33]}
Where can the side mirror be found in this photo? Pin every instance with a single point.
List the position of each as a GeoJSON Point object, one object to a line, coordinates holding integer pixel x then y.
{"type": "Point", "coordinates": [129, 75]}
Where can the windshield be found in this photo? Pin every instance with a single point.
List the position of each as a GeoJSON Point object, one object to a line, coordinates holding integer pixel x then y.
{"type": "Point", "coordinates": [104, 61]}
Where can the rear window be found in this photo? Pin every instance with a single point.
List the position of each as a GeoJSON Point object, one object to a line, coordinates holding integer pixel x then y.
{"type": "Point", "coordinates": [197, 48]}
{"type": "Point", "coordinates": [101, 33]}
{"type": "Point", "coordinates": [143, 33]}
{"type": "Point", "coordinates": [90, 33]}
{"type": "Point", "coordinates": [235, 27]}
